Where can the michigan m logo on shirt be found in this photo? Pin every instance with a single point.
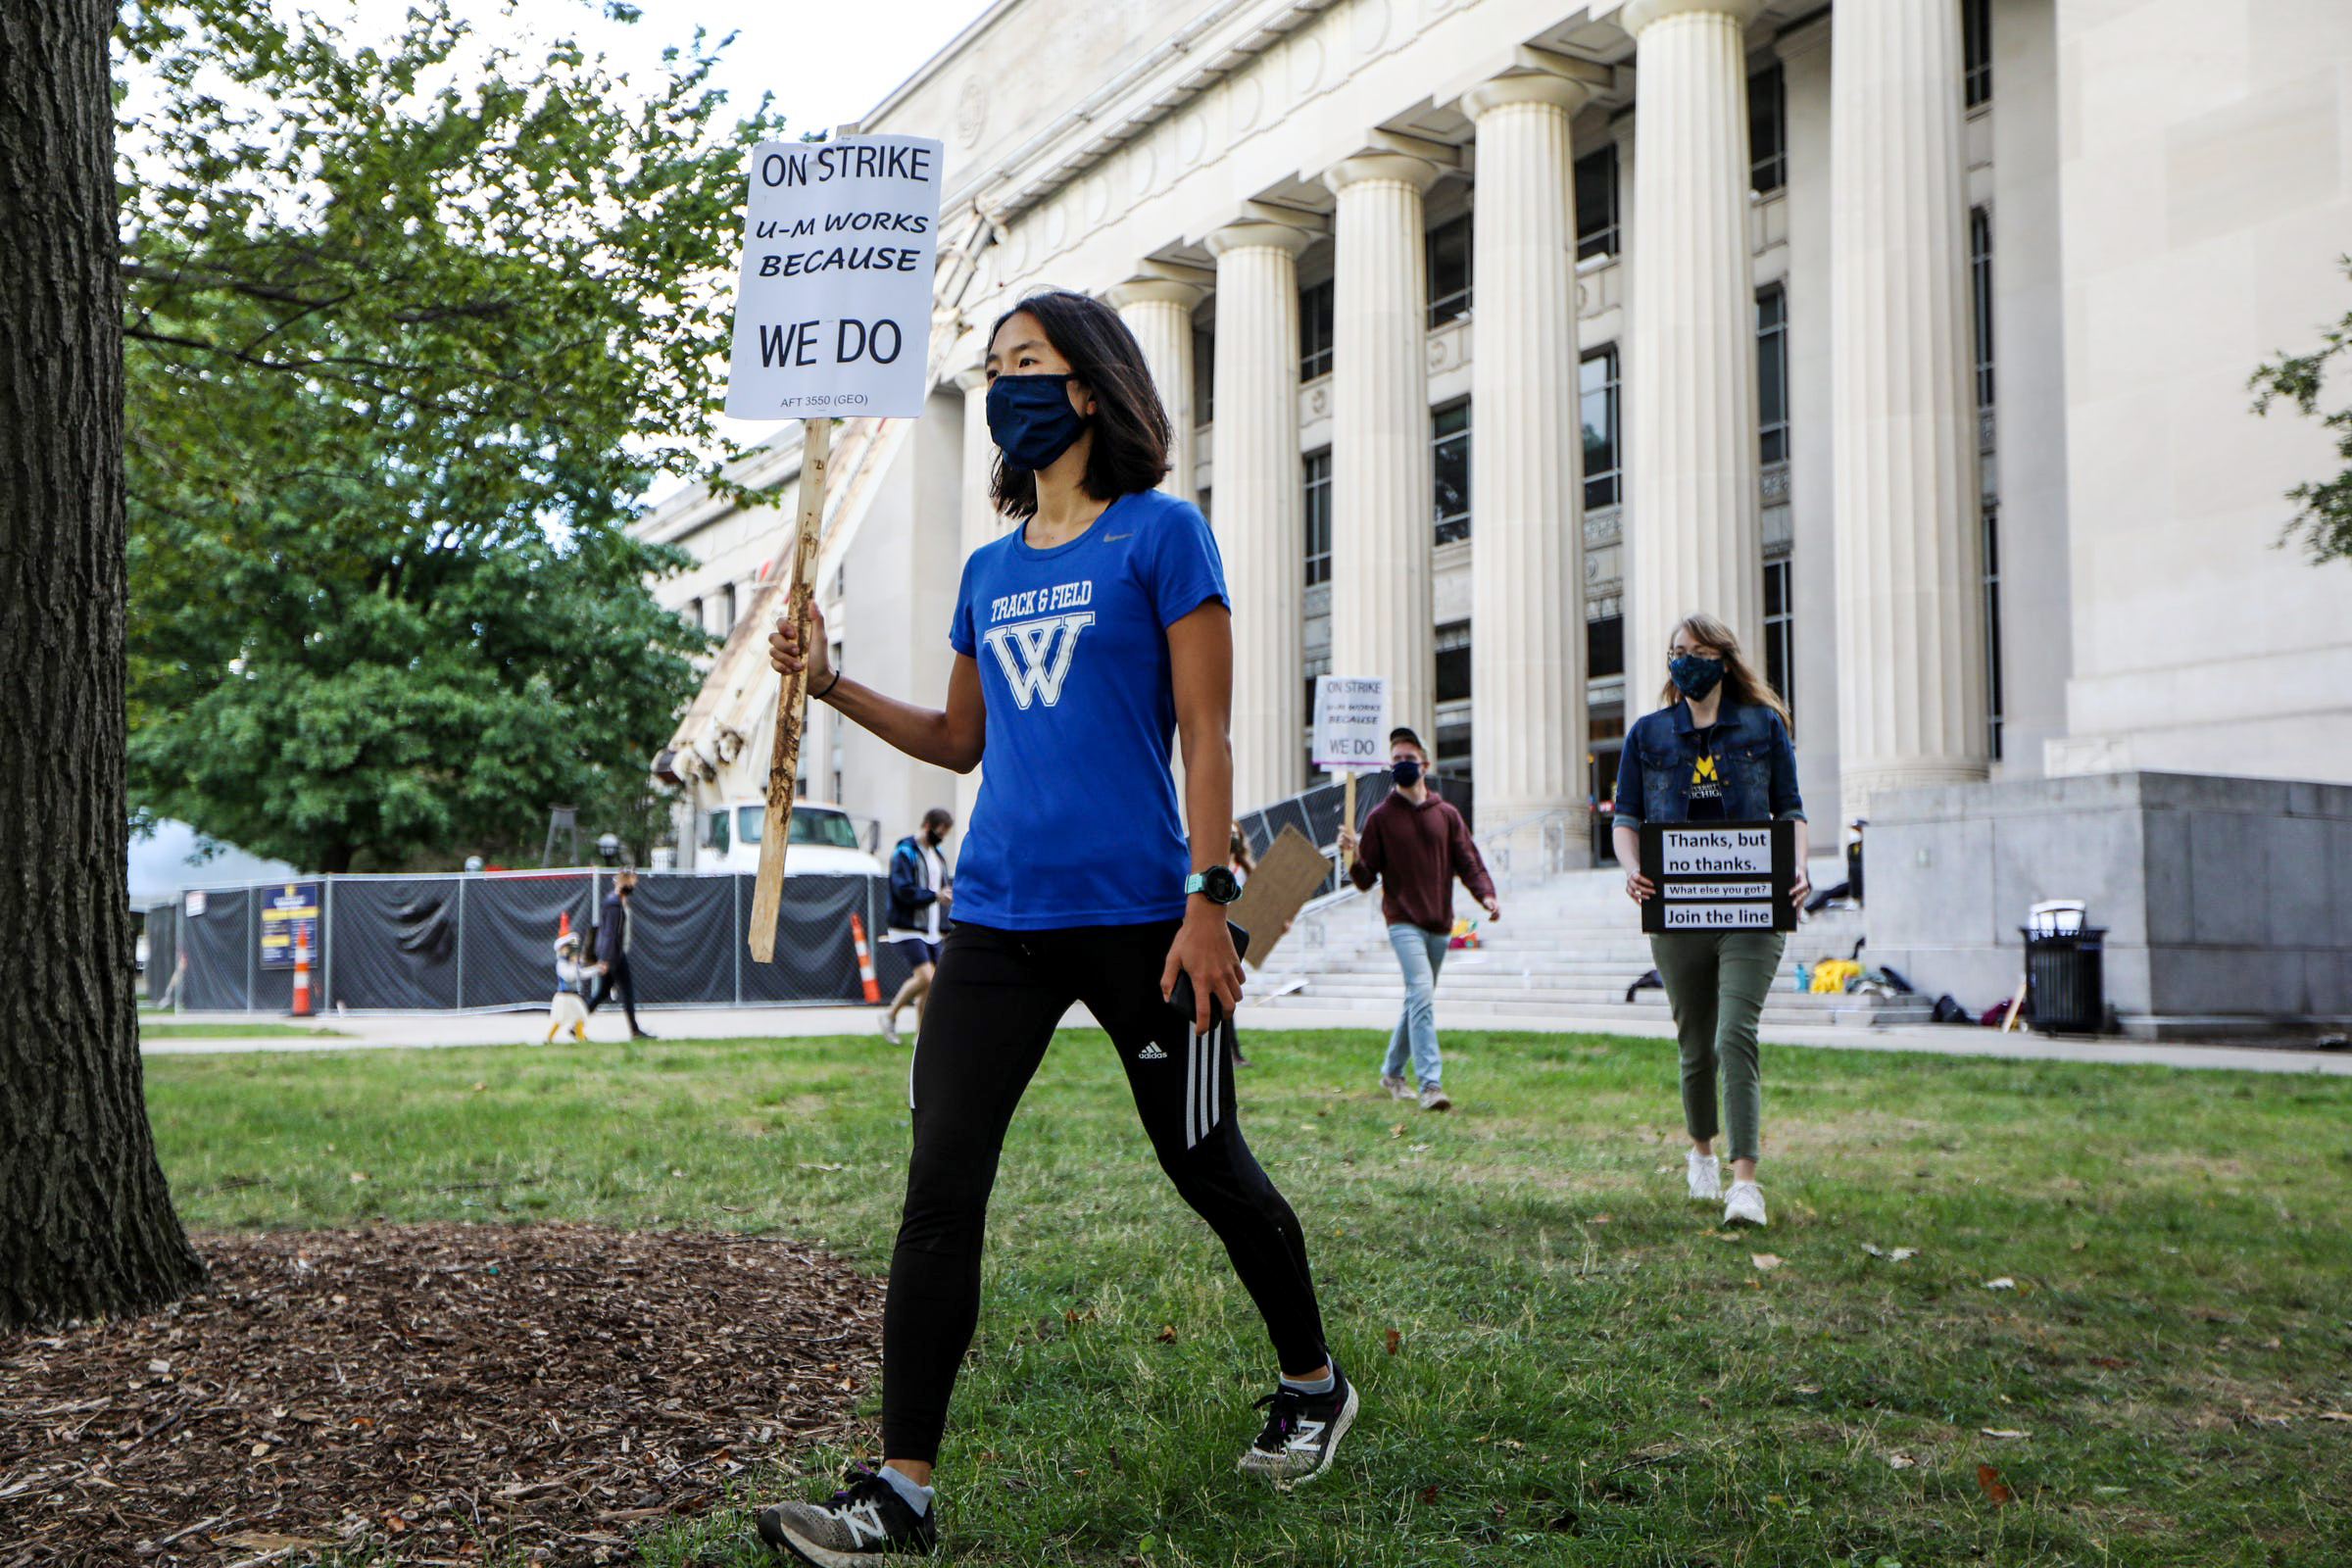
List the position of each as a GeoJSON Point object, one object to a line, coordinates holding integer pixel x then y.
{"type": "Point", "coordinates": [1034, 654]}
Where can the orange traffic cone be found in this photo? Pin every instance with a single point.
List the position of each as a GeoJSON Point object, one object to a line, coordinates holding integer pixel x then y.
{"type": "Point", "coordinates": [302, 977]}
{"type": "Point", "coordinates": [865, 960]}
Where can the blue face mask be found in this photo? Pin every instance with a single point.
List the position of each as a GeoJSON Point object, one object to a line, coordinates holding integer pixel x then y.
{"type": "Point", "coordinates": [1406, 772]}
{"type": "Point", "coordinates": [1694, 676]}
{"type": "Point", "coordinates": [1031, 419]}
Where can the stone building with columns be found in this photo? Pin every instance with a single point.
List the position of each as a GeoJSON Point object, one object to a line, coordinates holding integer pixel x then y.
{"type": "Point", "coordinates": [1910, 337]}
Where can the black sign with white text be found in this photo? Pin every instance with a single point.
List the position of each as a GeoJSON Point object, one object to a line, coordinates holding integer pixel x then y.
{"type": "Point", "coordinates": [1720, 876]}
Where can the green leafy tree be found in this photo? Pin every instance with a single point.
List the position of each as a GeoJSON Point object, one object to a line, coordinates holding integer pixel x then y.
{"type": "Point", "coordinates": [2323, 507]}
{"type": "Point", "coordinates": [410, 329]}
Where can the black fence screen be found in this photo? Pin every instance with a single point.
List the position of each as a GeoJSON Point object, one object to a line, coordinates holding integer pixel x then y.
{"type": "Point", "coordinates": [487, 942]}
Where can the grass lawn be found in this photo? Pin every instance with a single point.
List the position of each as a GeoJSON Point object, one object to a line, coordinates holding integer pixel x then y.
{"type": "Point", "coordinates": [1584, 1368]}
{"type": "Point", "coordinates": [233, 1031]}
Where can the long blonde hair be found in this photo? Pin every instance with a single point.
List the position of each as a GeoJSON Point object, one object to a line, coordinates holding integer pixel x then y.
{"type": "Point", "coordinates": [1740, 682]}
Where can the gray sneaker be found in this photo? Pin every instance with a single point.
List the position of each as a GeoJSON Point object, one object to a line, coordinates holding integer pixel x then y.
{"type": "Point", "coordinates": [889, 1029]}
{"type": "Point", "coordinates": [1397, 1087]}
{"type": "Point", "coordinates": [866, 1519]}
{"type": "Point", "coordinates": [1434, 1098]}
{"type": "Point", "coordinates": [1302, 1431]}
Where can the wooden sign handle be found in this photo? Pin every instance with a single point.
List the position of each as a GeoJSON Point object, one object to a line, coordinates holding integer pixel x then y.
{"type": "Point", "coordinates": [792, 694]}
{"type": "Point", "coordinates": [1347, 817]}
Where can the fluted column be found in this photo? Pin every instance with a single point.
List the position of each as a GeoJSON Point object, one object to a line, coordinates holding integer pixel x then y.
{"type": "Point", "coordinates": [980, 525]}
{"type": "Point", "coordinates": [1383, 615]}
{"type": "Point", "coordinates": [1160, 313]}
{"type": "Point", "coordinates": [1259, 525]}
{"type": "Point", "coordinates": [1693, 541]}
{"type": "Point", "coordinates": [1911, 701]}
{"type": "Point", "coordinates": [1527, 574]}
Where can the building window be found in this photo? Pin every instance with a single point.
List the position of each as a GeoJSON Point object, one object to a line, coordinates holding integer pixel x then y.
{"type": "Point", "coordinates": [1975, 49]}
{"type": "Point", "coordinates": [1450, 466]}
{"type": "Point", "coordinates": [1780, 623]}
{"type": "Point", "coordinates": [1204, 377]}
{"type": "Point", "coordinates": [1318, 516]}
{"type": "Point", "coordinates": [1604, 646]}
{"type": "Point", "coordinates": [1596, 203]}
{"type": "Point", "coordinates": [1980, 281]}
{"type": "Point", "coordinates": [1450, 270]}
{"type": "Point", "coordinates": [1597, 380]}
{"type": "Point", "coordinates": [693, 613]}
{"type": "Point", "coordinates": [1314, 330]}
{"type": "Point", "coordinates": [1980, 277]}
{"type": "Point", "coordinates": [1772, 374]}
{"type": "Point", "coordinates": [1203, 505]}
{"type": "Point", "coordinates": [726, 608]}
{"type": "Point", "coordinates": [1315, 666]}
{"type": "Point", "coordinates": [1453, 661]}
{"type": "Point", "coordinates": [1767, 132]}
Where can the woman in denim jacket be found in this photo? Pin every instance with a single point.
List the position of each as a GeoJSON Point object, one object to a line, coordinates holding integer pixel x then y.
{"type": "Point", "coordinates": [1716, 751]}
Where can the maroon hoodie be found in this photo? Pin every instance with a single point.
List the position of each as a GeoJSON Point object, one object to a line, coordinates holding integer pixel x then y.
{"type": "Point", "coordinates": [1415, 852]}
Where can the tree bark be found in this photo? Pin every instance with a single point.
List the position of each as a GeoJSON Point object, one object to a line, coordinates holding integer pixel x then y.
{"type": "Point", "coordinates": [86, 1225]}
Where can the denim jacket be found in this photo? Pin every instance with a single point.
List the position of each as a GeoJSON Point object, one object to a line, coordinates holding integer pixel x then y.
{"type": "Point", "coordinates": [1751, 754]}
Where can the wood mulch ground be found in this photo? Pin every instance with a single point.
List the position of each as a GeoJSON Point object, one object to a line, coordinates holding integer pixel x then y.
{"type": "Point", "coordinates": [436, 1394]}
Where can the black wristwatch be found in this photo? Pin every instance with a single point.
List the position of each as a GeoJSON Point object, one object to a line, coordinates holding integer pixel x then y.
{"type": "Point", "coordinates": [1217, 883]}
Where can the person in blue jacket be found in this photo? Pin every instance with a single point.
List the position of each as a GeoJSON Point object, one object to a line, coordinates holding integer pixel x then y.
{"type": "Point", "coordinates": [919, 895]}
{"type": "Point", "coordinates": [1716, 750]}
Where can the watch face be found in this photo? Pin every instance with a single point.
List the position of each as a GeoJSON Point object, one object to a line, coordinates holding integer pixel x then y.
{"type": "Point", "coordinates": [1220, 885]}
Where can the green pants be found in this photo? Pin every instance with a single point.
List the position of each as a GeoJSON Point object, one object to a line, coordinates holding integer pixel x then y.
{"type": "Point", "coordinates": [1716, 982]}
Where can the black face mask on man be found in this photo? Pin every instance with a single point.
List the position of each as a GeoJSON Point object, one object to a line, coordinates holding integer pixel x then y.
{"type": "Point", "coordinates": [1030, 418]}
{"type": "Point", "coordinates": [1405, 771]}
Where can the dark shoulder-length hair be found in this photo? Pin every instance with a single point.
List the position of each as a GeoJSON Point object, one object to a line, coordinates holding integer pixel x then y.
{"type": "Point", "coordinates": [1131, 428]}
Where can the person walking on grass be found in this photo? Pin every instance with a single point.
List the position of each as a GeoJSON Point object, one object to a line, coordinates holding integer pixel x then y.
{"type": "Point", "coordinates": [614, 936]}
{"type": "Point", "coordinates": [919, 895]}
{"type": "Point", "coordinates": [1414, 845]}
{"type": "Point", "coordinates": [1083, 639]}
{"type": "Point", "coordinates": [1716, 751]}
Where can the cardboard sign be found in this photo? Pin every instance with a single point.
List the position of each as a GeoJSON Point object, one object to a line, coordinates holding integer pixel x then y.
{"type": "Point", "coordinates": [289, 918]}
{"type": "Point", "coordinates": [1352, 722]}
{"type": "Point", "coordinates": [1720, 876]}
{"type": "Point", "coordinates": [833, 303]}
{"type": "Point", "coordinates": [1287, 876]}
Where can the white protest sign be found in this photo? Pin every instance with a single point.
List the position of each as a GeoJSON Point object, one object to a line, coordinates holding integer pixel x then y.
{"type": "Point", "coordinates": [1351, 721]}
{"type": "Point", "coordinates": [833, 305]}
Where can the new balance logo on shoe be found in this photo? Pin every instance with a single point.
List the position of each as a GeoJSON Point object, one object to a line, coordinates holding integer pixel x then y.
{"type": "Point", "coordinates": [1152, 1053]}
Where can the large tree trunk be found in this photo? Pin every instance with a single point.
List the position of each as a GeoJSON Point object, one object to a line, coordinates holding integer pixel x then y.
{"type": "Point", "coordinates": [86, 1225]}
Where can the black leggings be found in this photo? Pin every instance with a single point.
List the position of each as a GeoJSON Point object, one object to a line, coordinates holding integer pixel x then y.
{"type": "Point", "coordinates": [994, 1003]}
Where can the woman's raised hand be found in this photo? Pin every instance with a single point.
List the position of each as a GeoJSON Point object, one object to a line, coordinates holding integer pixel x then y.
{"type": "Point", "coordinates": [784, 648]}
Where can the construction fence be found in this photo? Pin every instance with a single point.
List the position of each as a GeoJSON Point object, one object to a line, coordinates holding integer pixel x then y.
{"type": "Point", "coordinates": [484, 941]}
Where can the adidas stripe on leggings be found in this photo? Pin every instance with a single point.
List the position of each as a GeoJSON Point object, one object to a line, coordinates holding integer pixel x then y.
{"type": "Point", "coordinates": [994, 1003]}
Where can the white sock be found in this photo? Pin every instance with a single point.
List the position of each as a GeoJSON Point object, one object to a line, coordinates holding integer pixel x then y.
{"type": "Point", "coordinates": [917, 1497]}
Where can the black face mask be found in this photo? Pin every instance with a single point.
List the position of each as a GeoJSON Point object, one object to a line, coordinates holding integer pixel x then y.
{"type": "Point", "coordinates": [1405, 773]}
{"type": "Point", "coordinates": [1694, 676]}
{"type": "Point", "coordinates": [1030, 418]}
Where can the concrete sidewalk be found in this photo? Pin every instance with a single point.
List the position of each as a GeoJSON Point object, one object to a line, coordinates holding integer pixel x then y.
{"type": "Point", "coordinates": [436, 1030]}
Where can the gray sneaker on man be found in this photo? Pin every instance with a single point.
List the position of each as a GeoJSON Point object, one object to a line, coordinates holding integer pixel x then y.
{"type": "Point", "coordinates": [1397, 1087]}
{"type": "Point", "coordinates": [1434, 1098]}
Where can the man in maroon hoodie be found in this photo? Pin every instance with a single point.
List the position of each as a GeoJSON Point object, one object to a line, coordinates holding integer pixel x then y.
{"type": "Point", "coordinates": [1414, 845]}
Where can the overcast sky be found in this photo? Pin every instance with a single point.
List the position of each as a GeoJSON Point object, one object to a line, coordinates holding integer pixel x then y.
{"type": "Point", "coordinates": [826, 63]}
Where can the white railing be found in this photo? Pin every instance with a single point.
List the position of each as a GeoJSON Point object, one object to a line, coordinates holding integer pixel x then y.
{"type": "Point", "coordinates": [1540, 844]}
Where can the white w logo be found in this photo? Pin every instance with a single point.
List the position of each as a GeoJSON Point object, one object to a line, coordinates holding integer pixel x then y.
{"type": "Point", "coordinates": [1040, 665]}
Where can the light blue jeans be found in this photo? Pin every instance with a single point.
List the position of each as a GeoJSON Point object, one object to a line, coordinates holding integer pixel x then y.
{"type": "Point", "coordinates": [1420, 955]}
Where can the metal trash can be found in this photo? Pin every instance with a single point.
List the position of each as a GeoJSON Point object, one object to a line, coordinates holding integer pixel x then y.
{"type": "Point", "coordinates": [2065, 980]}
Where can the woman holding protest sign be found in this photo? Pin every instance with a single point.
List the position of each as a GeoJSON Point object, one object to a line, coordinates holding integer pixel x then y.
{"type": "Point", "coordinates": [1716, 750]}
{"type": "Point", "coordinates": [1083, 639]}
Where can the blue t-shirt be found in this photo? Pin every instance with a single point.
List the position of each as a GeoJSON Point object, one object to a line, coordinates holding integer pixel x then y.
{"type": "Point", "coordinates": [1076, 824]}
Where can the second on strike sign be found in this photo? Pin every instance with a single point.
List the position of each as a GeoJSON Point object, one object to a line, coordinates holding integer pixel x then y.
{"type": "Point", "coordinates": [833, 307]}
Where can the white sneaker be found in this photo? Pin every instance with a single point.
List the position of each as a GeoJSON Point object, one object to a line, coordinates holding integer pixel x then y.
{"type": "Point", "coordinates": [1706, 1176]}
{"type": "Point", "coordinates": [1397, 1087]}
{"type": "Point", "coordinates": [1434, 1098]}
{"type": "Point", "coordinates": [1745, 1205]}
{"type": "Point", "coordinates": [890, 1028]}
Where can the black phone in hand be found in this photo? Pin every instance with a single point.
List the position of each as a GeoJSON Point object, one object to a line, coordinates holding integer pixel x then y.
{"type": "Point", "coordinates": [1181, 999]}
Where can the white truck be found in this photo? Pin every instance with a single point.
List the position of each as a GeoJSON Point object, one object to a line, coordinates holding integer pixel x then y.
{"type": "Point", "coordinates": [824, 840]}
